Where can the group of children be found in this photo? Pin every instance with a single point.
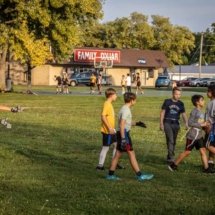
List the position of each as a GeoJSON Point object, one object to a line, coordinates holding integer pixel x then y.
{"type": "Point", "coordinates": [119, 137]}
{"type": "Point", "coordinates": [126, 82]}
{"type": "Point", "coordinates": [200, 131]}
{"type": "Point", "coordinates": [62, 84]}
{"type": "Point", "coordinates": [200, 126]}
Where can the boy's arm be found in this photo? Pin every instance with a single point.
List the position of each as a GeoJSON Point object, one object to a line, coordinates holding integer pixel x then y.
{"type": "Point", "coordinates": [162, 114]}
{"type": "Point", "coordinates": [184, 116]}
{"type": "Point", "coordinates": [122, 128]}
{"type": "Point", "coordinates": [105, 121]}
{"type": "Point", "coordinates": [5, 108]}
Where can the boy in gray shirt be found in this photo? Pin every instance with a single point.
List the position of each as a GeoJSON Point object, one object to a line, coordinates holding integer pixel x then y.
{"type": "Point", "coordinates": [195, 135]}
{"type": "Point", "coordinates": [124, 142]}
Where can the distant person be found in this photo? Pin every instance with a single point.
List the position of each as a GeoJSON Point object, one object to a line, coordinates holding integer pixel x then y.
{"type": "Point", "coordinates": [99, 84]}
{"type": "Point", "coordinates": [195, 135]}
{"type": "Point", "coordinates": [169, 121]}
{"type": "Point", "coordinates": [108, 127]}
{"type": "Point", "coordinates": [138, 85]}
{"type": "Point", "coordinates": [92, 83]}
{"type": "Point", "coordinates": [65, 82]}
{"type": "Point", "coordinates": [128, 82]}
{"type": "Point", "coordinates": [174, 84]}
{"type": "Point", "coordinates": [123, 83]}
{"type": "Point", "coordinates": [124, 142]}
{"type": "Point", "coordinates": [58, 79]}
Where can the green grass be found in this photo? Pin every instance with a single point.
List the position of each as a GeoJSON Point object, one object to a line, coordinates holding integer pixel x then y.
{"type": "Point", "coordinates": [49, 156]}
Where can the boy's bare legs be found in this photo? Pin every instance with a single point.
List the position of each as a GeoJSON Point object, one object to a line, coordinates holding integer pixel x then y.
{"type": "Point", "coordinates": [114, 149]}
{"type": "Point", "coordinates": [182, 156]}
{"type": "Point", "coordinates": [133, 161]}
{"type": "Point", "coordinates": [204, 157]}
{"type": "Point", "coordinates": [5, 108]}
{"type": "Point", "coordinates": [115, 160]}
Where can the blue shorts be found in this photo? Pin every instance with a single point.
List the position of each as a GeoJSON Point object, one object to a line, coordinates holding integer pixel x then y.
{"type": "Point", "coordinates": [108, 139]}
{"type": "Point", "coordinates": [210, 143]}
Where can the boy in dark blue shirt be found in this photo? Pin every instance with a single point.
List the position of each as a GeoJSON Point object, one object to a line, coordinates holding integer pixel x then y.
{"type": "Point", "coordinates": [169, 121]}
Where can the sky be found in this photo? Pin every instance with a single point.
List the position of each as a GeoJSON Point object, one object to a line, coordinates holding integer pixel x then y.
{"type": "Point", "coordinates": [197, 15]}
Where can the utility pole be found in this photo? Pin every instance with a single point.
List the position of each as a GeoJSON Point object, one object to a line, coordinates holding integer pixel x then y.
{"type": "Point", "coordinates": [200, 56]}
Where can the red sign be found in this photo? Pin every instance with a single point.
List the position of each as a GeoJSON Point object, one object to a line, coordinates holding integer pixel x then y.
{"type": "Point", "coordinates": [91, 55]}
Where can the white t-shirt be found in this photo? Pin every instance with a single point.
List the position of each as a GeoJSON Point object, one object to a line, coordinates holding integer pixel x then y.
{"type": "Point", "coordinates": [128, 81]}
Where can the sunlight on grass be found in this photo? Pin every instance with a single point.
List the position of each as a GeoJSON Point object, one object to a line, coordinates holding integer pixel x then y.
{"type": "Point", "coordinates": [49, 156]}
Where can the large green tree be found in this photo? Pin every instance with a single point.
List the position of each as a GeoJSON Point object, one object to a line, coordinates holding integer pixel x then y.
{"type": "Point", "coordinates": [175, 41]}
{"type": "Point", "coordinates": [136, 31]}
{"type": "Point", "coordinates": [38, 31]}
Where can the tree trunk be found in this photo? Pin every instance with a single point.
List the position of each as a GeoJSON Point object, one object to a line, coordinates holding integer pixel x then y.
{"type": "Point", "coordinates": [3, 68]}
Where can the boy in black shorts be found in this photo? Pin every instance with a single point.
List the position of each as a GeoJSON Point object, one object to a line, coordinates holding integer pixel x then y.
{"type": "Point", "coordinates": [124, 142]}
{"type": "Point", "coordinates": [195, 135]}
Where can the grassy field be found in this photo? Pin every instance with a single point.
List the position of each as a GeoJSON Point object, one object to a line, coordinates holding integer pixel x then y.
{"type": "Point", "coordinates": [49, 156]}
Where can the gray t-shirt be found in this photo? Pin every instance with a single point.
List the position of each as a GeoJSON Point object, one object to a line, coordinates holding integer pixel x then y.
{"type": "Point", "coordinates": [210, 111]}
{"type": "Point", "coordinates": [194, 121]}
{"type": "Point", "coordinates": [125, 113]}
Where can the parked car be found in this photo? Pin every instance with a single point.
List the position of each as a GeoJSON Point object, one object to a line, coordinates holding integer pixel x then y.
{"type": "Point", "coordinates": [185, 82]}
{"type": "Point", "coordinates": [162, 81]}
{"type": "Point", "coordinates": [84, 78]}
{"type": "Point", "coordinates": [79, 78]}
{"type": "Point", "coordinates": [200, 82]}
{"type": "Point", "coordinates": [210, 82]}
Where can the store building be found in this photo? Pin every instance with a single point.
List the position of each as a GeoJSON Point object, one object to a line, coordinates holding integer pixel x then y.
{"type": "Point", "coordinates": [111, 62]}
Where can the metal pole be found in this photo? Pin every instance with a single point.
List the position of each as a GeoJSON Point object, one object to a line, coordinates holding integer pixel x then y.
{"type": "Point", "coordinates": [200, 56]}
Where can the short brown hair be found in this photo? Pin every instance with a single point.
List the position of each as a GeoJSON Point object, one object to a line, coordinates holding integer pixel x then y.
{"type": "Point", "coordinates": [109, 92]}
{"type": "Point", "coordinates": [175, 89]}
{"type": "Point", "coordinates": [128, 97]}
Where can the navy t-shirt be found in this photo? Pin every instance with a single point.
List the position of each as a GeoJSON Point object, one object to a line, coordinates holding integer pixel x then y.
{"type": "Point", "coordinates": [173, 109]}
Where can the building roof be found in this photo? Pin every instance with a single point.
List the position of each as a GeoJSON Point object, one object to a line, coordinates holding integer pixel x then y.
{"type": "Point", "coordinates": [134, 58]}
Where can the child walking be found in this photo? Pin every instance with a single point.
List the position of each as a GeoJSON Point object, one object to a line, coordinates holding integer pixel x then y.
{"type": "Point", "coordinates": [169, 121]}
{"type": "Point", "coordinates": [108, 127]}
{"type": "Point", "coordinates": [124, 142]}
{"type": "Point", "coordinates": [210, 131]}
{"type": "Point", "coordinates": [195, 135]}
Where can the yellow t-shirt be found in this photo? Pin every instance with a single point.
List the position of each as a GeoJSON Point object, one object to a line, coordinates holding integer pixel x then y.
{"type": "Point", "coordinates": [108, 111]}
{"type": "Point", "coordinates": [93, 79]}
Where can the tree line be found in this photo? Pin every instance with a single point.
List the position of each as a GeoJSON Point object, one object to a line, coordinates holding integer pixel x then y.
{"type": "Point", "coordinates": [39, 31]}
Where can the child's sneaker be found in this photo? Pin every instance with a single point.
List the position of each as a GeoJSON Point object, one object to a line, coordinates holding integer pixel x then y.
{"type": "Point", "coordinates": [100, 168]}
{"type": "Point", "coordinates": [172, 167]}
{"type": "Point", "coordinates": [144, 177]}
{"type": "Point", "coordinates": [208, 170]}
{"type": "Point", "coordinates": [112, 177]}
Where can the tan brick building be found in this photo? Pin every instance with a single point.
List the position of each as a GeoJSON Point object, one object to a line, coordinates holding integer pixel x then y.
{"type": "Point", "coordinates": [113, 62]}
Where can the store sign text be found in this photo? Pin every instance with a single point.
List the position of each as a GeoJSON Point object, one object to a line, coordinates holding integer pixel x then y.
{"type": "Point", "coordinates": [86, 55]}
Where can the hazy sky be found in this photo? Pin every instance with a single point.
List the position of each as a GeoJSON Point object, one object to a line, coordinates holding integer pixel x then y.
{"type": "Point", "coordinates": [195, 14]}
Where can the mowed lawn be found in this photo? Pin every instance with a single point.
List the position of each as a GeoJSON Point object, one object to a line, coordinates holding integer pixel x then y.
{"type": "Point", "coordinates": [48, 160]}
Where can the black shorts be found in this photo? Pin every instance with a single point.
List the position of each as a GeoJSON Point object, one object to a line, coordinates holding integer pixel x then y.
{"type": "Point", "coordinates": [198, 144]}
{"type": "Point", "coordinates": [207, 144]}
{"type": "Point", "coordinates": [128, 139]}
{"type": "Point", "coordinates": [108, 139]}
{"type": "Point", "coordinates": [138, 84]}
{"type": "Point", "coordinates": [92, 84]}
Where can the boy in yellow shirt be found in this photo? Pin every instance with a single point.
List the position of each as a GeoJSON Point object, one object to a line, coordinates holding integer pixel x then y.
{"type": "Point", "coordinates": [108, 127]}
